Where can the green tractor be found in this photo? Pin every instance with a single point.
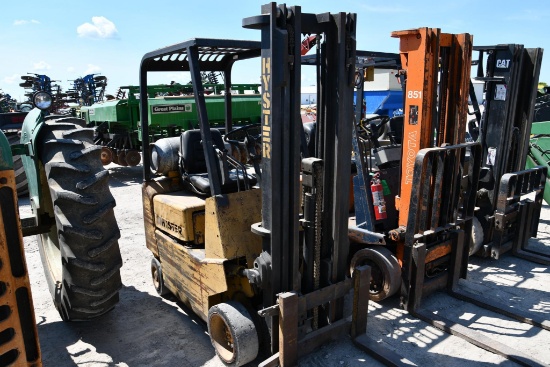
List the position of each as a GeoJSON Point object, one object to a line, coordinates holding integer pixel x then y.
{"type": "Point", "coordinates": [72, 208]}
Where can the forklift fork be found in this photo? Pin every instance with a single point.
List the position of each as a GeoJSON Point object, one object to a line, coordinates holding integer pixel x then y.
{"type": "Point", "coordinates": [440, 234]}
{"type": "Point", "coordinates": [440, 220]}
{"type": "Point", "coordinates": [436, 247]}
{"type": "Point", "coordinates": [516, 219]}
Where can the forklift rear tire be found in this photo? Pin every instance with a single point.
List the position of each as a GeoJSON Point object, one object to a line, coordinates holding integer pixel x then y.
{"type": "Point", "coordinates": [385, 271]}
{"type": "Point", "coordinates": [80, 253]}
{"type": "Point", "coordinates": [233, 333]}
{"type": "Point", "coordinates": [158, 279]}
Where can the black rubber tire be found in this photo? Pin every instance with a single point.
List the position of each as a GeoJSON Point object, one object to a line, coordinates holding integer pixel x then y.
{"type": "Point", "coordinates": [80, 254]}
{"type": "Point", "coordinates": [385, 271]}
{"type": "Point", "coordinates": [231, 319]}
{"type": "Point", "coordinates": [20, 175]}
{"type": "Point", "coordinates": [158, 279]}
{"type": "Point", "coordinates": [476, 239]}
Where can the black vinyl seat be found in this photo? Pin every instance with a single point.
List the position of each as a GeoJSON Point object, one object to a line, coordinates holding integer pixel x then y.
{"type": "Point", "coordinates": [193, 165]}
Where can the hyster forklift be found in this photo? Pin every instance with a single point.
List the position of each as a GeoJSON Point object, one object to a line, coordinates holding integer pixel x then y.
{"type": "Point", "coordinates": [258, 247]}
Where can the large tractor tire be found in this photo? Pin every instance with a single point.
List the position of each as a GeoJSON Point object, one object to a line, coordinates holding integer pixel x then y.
{"type": "Point", "coordinates": [80, 254]}
{"type": "Point", "coordinates": [20, 175]}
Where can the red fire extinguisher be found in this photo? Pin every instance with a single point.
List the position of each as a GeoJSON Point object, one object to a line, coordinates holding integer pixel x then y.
{"type": "Point", "coordinates": [378, 201]}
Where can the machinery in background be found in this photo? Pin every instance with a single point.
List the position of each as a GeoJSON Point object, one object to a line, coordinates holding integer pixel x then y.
{"type": "Point", "coordinates": [539, 143]}
{"type": "Point", "coordinates": [383, 95]}
{"type": "Point", "coordinates": [539, 152]}
{"type": "Point", "coordinates": [87, 90]}
{"type": "Point", "coordinates": [117, 126]}
{"type": "Point", "coordinates": [12, 115]}
{"type": "Point", "coordinates": [34, 83]}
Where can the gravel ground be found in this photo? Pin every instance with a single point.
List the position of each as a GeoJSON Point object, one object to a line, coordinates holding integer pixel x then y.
{"type": "Point", "coordinates": [147, 330]}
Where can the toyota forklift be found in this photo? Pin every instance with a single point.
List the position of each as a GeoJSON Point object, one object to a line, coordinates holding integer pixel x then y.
{"type": "Point", "coordinates": [258, 247]}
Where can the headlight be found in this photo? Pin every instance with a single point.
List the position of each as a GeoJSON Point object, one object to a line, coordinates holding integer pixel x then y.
{"type": "Point", "coordinates": [42, 100]}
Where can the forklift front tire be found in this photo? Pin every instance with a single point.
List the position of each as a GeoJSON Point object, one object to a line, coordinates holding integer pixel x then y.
{"type": "Point", "coordinates": [385, 271]}
{"type": "Point", "coordinates": [476, 241]}
{"type": "Point", "coordinates": [158, 280]}
{"type": "Point", "coordinates": [233, 333]}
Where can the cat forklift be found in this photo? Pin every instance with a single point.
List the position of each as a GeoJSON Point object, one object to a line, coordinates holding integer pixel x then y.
{"type": "Point", "coordinates": [258, 247]}
{"type": "Point", "coordinates": [507, 215]}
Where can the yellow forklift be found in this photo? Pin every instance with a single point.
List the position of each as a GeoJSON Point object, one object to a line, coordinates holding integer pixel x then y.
{"type": "Point", "coordinates": [256, 243]}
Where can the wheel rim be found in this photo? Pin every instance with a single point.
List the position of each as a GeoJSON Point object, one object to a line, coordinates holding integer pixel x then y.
{"type": "Point", "coordinates": [122, 158]}
{"type": "Point", "coordinates": [222, 338]}
{"type": "Point", "coordinates": [377, 278]}
{"type": "Point", "coordinates": [115, 156]}
{"type": "Point", "coordinates": [106, 156]}
{"type": "Point", "coordinates": [133, 158]}
{"type": "Point", "coordinates": [156, 277]}
{"type": "Point", "coordinates": [50, 246]}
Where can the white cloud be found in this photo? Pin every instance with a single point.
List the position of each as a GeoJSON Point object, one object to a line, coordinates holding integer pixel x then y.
{"type": "Point", "coordinates": [11, 79]}
{"type": "Point", "coordinates": [23, 22]}
{"type": "Point", "coordinates": [41, 65]}
{"type": "Point", "coordinates": [70, 69]}
{"type": "Point", "coordinates": [92, 69]}
{"type": "Point", "coordinates": [100, 27]}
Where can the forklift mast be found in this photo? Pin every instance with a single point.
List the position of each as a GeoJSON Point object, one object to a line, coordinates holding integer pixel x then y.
{"type": "Point", "coordinates": [508, 218]}
{"type": "Point", "coordinates": [282, 134]}
{"type": "Point", "coordinates": [326, 177]}
{"type": "Point", "coordinates": [436, 97]}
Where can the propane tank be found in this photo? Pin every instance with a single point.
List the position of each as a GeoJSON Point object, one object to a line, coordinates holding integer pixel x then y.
{"type": "Point", "coordinates": [379, 204]}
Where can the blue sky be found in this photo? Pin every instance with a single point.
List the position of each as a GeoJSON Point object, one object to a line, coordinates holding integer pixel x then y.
{"type": "Point", "coordinates": [65, 40]}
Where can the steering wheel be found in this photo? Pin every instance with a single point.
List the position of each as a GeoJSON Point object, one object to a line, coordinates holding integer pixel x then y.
{"type": "Point", "coordinates": [372, 129]}
{"type": "Point", "coordinates": [249, 139]}
{"type": "Point", "coordinates": [243, 129]}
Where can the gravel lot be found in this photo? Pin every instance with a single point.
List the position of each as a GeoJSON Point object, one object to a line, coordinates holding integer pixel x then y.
{"type": "Point", "coordinates": [147, 330]}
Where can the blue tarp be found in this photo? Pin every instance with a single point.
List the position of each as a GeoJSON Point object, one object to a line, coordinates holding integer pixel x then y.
{"type": "Point", "coordinates": [383, 102]}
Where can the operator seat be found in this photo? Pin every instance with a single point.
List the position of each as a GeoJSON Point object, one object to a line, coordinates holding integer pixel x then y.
{"type": "Point", "coordinates": [193, 169]}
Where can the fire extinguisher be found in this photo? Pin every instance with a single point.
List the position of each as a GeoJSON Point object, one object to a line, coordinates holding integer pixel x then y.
{"type": "Point", "coordinates": [378, 201]}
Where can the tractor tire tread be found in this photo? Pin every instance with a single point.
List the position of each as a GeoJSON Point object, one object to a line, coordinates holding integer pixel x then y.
{"type": "Point", "coordinates": [21, 182]}
{"type": "Point", "coordinates": [87, 231]}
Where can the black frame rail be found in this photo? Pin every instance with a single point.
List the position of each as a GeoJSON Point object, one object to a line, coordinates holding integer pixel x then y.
{"type": "Point", "coordinates": [195, 55]}
{"type": "Point", "coordinates": [278, 267]}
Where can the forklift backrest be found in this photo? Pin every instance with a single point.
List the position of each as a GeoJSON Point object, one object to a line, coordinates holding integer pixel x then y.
{"type": "Point", "coordinates": [192, 151]}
